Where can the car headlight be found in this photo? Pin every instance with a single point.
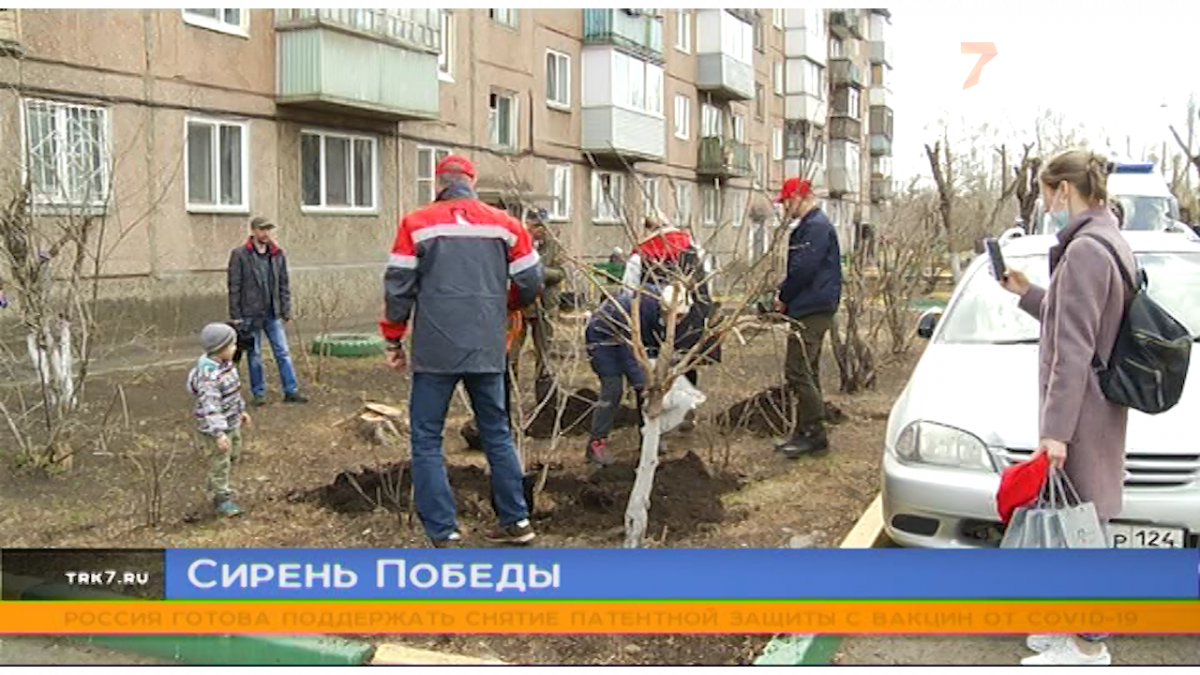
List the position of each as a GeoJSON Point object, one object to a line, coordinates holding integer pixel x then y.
{"type": "Point", "coordinates": [929, 443]}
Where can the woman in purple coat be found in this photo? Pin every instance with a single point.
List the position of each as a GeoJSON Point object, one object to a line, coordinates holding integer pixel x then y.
{"type": "Point", "coordinates": [1081, 311]}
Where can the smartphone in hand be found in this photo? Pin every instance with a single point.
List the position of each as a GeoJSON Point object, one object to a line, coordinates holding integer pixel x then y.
{"type": "Point", "coordinates": [999, 269]}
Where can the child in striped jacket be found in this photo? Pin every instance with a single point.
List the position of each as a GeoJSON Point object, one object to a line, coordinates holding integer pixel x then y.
{"type": "Point", "coordinates": [220, 411]}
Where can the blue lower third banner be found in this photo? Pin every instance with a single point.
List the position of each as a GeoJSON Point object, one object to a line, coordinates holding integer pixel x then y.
{"type": "Point", "coordinates": [681, 574]}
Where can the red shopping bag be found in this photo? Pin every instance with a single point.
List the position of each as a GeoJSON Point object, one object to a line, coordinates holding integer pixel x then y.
{"type": "Point", "coordinates": [1021, 484]}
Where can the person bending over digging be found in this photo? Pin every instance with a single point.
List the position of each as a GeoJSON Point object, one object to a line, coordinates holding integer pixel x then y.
{"type": "Point", "coordinates": [220, 411]}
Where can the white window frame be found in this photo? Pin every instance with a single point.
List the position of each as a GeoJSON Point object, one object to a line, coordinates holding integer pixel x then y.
{"type": "Point", "coordinates": [837, 48]}
{"type": "Point", "coordinates": [777, 144]}
{"type": "Point", "coordinates": [608, 208]}
{"type": "Point", "coordinates": [683, 117]}
{"type": "Point", "coordinates": [684, 18]}
{"type": "Point", "coordinates": [760, 169]}
{"type": "Point", "coordinates": [683, 203]}
{"type": "Point", "coordinates": [507, 17]}
{"type": "Point", "coordinates": [563, 64]}
{"type": "Point", "coordinates": [514, 120]}
{"type": "Point", "coordinates": [60, 110]}
{"type": "Point", "coordinates": [854, 103]}
{"type": "Point", "coordinates": [778, 75]}
{"type": "Point", "coordinates": [710, 218]}
{"type": "Point", "coordinates": [446, 47]}
{"type": "Point", "coordinates": [216, 123]}
{"type": "Point", "coordinates": [323, 134]}
{"type": "Point", "coordinates": [431, 190]}
{"type": "Point", "coordinates": [739, 128]}
{"type": "Point", "coordinates": [651, 196]}
{"type": "Point", "coordinates": [737, 38]}
{"type": "Point", "coordinates": [760, 101]}
{"type": "Point", "coordinates": [712, 121]}
{"type": "Point", "coordinates": [240, 29]}
{"type": "Point", "coordinates": [560, 176]}
{"type": "Point", "coordinates": [777, 17]}
{"type": "Point", "coordinates": [629, 71]}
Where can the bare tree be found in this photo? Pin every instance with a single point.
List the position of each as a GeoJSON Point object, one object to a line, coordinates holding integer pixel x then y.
{"type": "Point", "coordinates": [941, 162]}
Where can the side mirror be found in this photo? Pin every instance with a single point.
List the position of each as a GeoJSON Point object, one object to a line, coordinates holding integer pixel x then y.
{"type": "Point", "coordinates": [928, 323]}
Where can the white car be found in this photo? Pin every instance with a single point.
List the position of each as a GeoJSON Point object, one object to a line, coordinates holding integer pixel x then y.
{"type": "Point", "coordinates": [970, 409]}
{"type": "Point", "coordinates": [1144, 196]}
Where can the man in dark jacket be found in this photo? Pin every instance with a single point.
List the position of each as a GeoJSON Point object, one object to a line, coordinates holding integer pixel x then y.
{"type": "Point", "coordinates": [809, 296]}
{"type": "Point", "coordinates": [449, 273]}
{"type": "Point", "coordinates": [260, 301]}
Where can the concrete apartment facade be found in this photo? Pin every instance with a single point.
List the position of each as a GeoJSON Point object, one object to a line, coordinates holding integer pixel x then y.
{"type": "Point", "coordinates": [180, 125]}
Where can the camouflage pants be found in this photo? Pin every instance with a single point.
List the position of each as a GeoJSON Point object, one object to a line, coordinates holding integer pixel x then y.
{"type": "Point", "coordinates": [220, 463]}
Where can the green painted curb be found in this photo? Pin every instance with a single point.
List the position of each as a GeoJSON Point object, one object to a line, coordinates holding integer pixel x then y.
{"type": "Point", "coordinates": [241, 650]}
{"type": "Point", "coordinates": [800, 650]}
{"type": "Point", "coordinates": [215, 650]}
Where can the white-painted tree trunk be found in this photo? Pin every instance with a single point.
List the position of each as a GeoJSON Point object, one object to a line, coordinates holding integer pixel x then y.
{"type": "Point", "coordinates": [54, 364]}
{"type": "Point", "coordinates": [637, 512]}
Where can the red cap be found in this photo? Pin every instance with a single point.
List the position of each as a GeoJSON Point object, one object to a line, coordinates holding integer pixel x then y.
{"type": "Point", "coordinates": [1021, 484]}
{"type": "Point", "coordinates": [792, 187]}
{"type": "Point", "coordinates": [455, 164]}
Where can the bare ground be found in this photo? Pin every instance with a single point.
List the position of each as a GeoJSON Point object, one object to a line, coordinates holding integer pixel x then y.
{"type": "Point", "coordinates": [715, 488]}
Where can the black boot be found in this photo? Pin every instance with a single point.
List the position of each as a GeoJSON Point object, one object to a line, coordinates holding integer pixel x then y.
{"type": "Point", "coordinates": [811, 441]}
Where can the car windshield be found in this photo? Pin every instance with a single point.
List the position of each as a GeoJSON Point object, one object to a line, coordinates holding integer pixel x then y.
{"type": "Point", "coordinates": [1145, 213]}
{"type": "Point", "coordinates": [985, 313]}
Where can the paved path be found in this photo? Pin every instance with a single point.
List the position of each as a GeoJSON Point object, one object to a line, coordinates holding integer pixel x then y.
{"type": "Point", "coordinates": [1173, 650]}
{"type": "Point", "coordinates": [37, 650]}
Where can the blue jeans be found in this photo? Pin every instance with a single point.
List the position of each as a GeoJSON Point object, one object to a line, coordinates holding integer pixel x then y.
{"type": "Point", "coordinates": [430, 399]}
{"type": "Point", "coordinates": [283, 359]}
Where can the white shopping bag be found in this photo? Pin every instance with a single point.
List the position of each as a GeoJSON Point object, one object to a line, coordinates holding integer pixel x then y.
{"type": "Point", "coordinates": [679, 400]}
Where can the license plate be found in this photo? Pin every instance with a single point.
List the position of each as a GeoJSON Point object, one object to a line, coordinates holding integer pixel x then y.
{"type": "Point", "coordinates": [1138, 536]}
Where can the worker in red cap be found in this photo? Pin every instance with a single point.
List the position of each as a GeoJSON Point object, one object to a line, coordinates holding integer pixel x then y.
{"type": "Point", "coordinates": [457, 269]}
{"type": "Point", "coordinates": [809, 296]}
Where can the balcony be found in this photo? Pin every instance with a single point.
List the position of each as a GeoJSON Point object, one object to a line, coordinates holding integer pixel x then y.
{"type": "Point", "coordinates": [631, 30]}
{"type": "Point", "coordinates": [724, 76]}
{"type": "Point", "coordinates": [881, 188]}
{"type": "Point", "coordinates": [805, 107]}
{"type": "Point", "coordinates": [611, 131]}
{"type": "Point", "coordinates": [10, 32]}
{"type": "Point", "coordinates": [380, 63]}
{"type": "Point", "coordinates": [879, 97]}
{"type": "Point", "coordinates": [846, 23]}
{"type": "Point", "coordinates": [881, 119]}
{"type": "Point", "coordinates": [722, 157]}
{"type": "Point", "coordinates": [845, 128]}
{"type": "Point", "coordinates": [845, 73]}
{"type": "Point", "coordinates": [881, 52]}
{"type": "Point", "coordinates": [881, 146]}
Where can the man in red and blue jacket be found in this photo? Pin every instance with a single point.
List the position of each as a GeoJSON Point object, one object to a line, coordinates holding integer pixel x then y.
{"type": "Point", "coordinates": [449, 273]}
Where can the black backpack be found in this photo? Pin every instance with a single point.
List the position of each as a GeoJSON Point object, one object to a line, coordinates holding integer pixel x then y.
{"type": "Point", "coordinates": [1149, 362]}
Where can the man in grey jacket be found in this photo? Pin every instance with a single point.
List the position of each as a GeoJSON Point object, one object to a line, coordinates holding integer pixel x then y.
{"type": "Point", "coordinates": [260, 301]}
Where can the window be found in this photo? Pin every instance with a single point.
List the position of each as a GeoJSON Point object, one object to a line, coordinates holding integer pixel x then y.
{"type": "Point", "coordinates": [737, 38]}
{"type": "Point", "coordinates": [650, 200]}
{"type": "Point", "coordinates": [67, 153]}
{"type": "Point", "coordinates": [760, 101]}
{"type": "Point", "coordinates": [223, 20]}
{"type": "Point", "coordinates": [337, 171]}
{"type": "Point", "coordinates": [505, 16]}
{"type": "Point", "coordinates": [712, 122]}
{"type": "Point", "coordinates": [217, 161]}
{"type": "Point", "coordinates": [760, 38]}
{"type": "Point", "coordinates": [814, 80]}
{"type": "Point", "coordinates": [637, 84]}
{"type": "Point", "coordinates": [837, 48]}
{"type": "Point", "coordinates": [446, 47]}
{"type": "Point", "coordinates": [739, 127]}
{"type": "Point", "coordinates": [877, 75]}
{"type": "Point", "coordinates": [427, 161]}
{"type": "Point", "coordinates": [683, 30]}
{"type": "Point", "coordinates": [847, 103]}
{"type": "Point", "coordinates": [760, 169]}
{"type": "Point", "coordinates": [759, 241]}
{"type": "Point", "coordinates": [683, 116]}
{"type": "Point", "coordinates": [502, 119]}
{"type": "Point", "coordinates": [710, 211]}
{"type": "Point", "coordinates": [683, 204]}
{"type": "Point", "coordinates": [558, 179]}
{"type": "Point", "coordinates": [558, 79]}
{"type": "Point", "coordinates": [738, 203]}
{"type": "Point", "coordinates": [777, 17]}
{"type": "Point", "coordinates": [777, 144]}
{"type": "Point", "coordinates": [777, 77]}
{"type": "Point", "coordinates": [608, 195]}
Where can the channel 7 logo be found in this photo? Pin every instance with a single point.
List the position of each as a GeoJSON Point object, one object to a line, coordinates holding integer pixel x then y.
{"type": "Point", "coordinates": [986, 51]}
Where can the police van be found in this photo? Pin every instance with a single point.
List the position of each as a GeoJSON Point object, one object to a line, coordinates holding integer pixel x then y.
{"type": "Point", "coordinates": [1144, 196]}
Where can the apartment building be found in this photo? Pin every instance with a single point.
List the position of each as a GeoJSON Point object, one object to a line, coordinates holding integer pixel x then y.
{"type": "Point", "coordinates": [178, 125]}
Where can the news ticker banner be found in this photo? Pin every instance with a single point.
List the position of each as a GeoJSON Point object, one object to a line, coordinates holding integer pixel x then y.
{"type": "Point", "coordinates": [603, 574]}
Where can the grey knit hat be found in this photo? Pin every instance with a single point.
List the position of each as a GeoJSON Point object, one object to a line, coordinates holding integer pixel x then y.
{"type": "Point", "coordinates": [216, 336]}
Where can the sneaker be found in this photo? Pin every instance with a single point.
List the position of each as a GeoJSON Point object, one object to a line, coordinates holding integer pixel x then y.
{"type": "Point", "coordinates": [1065, 652]}
{"type": "Point", "coordinates": [295, 397]}
{"type": "Point", "coordinates": [258, 401]}
{"type": "Point", "coordinates": [227, 509]}
{"type": "Point", "coordinates": [520, 532]}
{"type": "Point", "coordinates": [597, 452]}
{"type": "Point", "coordinates": [452, 541]}
{"type": "Point", "coordinates": [1041, 643]}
